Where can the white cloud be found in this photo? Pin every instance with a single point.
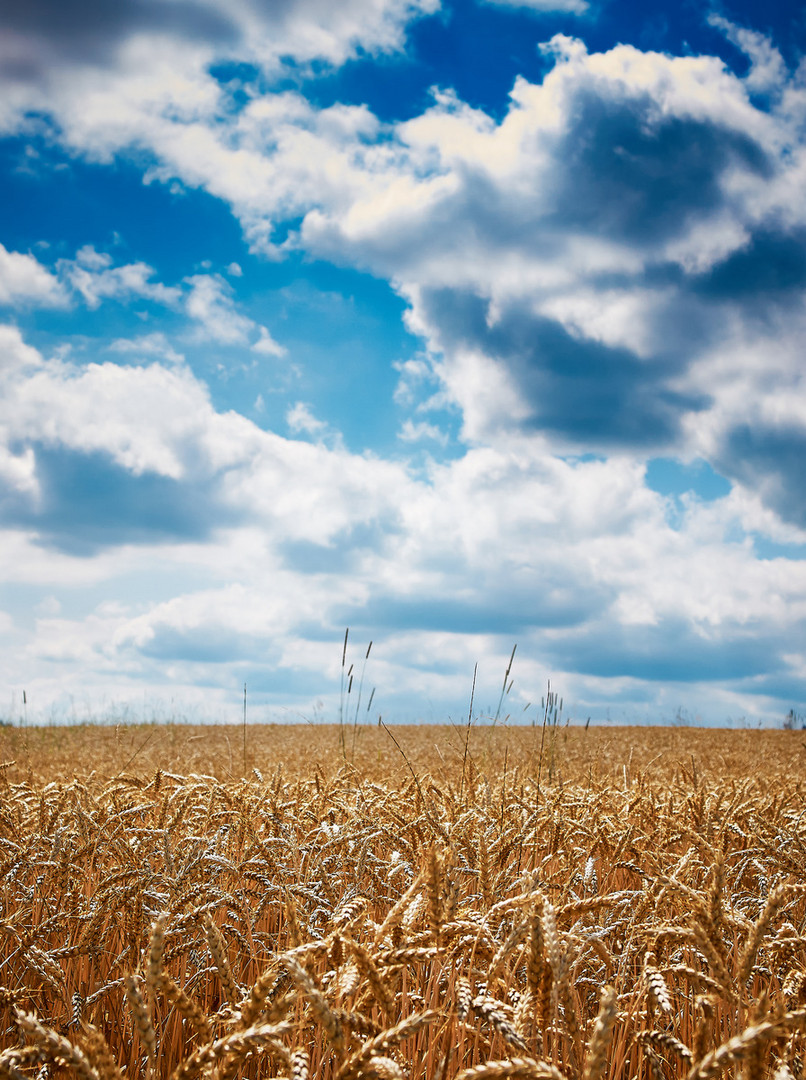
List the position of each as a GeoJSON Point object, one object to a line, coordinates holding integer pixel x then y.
{"type": "Point", "coordinates": [16, 357]}
{"type": "Point", "coordinates": [112, 77]}
{"type": "Point", "coordinates": [300, 419]}
{"type": "Point", "coordinates": [564, 278]}
{"type": "Point", "coordinates": [24, 281]}
{"type": "Point", "coordinates": [266, 344]}
{"type": "Point", "coordinates": [574, 7]}
{"type": "Point", "coordinates": [141, 417]}
{"type": "Point", "coordinates": [421, 431]}
{"type": "Point", "coordinates": [768, 71]}
{"type": "Point", "coordinates": [212, 305]}
{"type": "Point", "coordinates": [147, 345]}
{"type": "Point", "coordinates": [92, 275]}
{"type": "Point", "coordinates": [575, 560]}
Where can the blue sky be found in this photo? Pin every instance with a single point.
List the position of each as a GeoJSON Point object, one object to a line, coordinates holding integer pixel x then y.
{"type": "Point", "coordinates": [462, 323]}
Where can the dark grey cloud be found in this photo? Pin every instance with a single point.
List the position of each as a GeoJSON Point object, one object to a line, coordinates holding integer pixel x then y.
{"type": "Point", "coordinates": [516, 608]}
{"type": "Point", "coordinates": [205, 645]}
{"type": "Point", "coordinates": [585, 391]}
{"type": "Point", "coordinates": [90, 31]}
{"type": "Point", "coordinates": [671, 651]}
{"type": "Point", "coordinates": [342, 552]}
{"type": "Point", "coordinates": [626, 171]}
{"type": "Point", "coordinates": [632, 175]}
{"type": "Point", "coordinates": [620, 170]}
{"type": "Point", "coordinates": [770, 268]}
{"type": "Point", "coordinates": [772, 461]}
{"type": "Point", "coordinates": [87, 503]}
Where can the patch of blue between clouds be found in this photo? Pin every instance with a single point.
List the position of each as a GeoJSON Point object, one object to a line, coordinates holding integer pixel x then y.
{"type": "Point", "coordinates": [344, 333]}
{"type": "Point", "coordinates": [770, 549]}
{"type": "Point", "coordinates": [669, 476]}
{"type": "Point", "coordinates": [68, 203]}
{"type": "Point", "coordinates": [477, 49]}
{"type": "Point", "coordinates": [474, 49]}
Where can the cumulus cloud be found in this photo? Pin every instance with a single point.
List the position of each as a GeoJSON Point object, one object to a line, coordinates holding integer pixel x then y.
{"type": "Point", "coordinates": [300, 419]}
{"type": "Point", "coordinates": [266, 344]}
{"type": "Point", "coordinates": [211, 304]}
{"type": "Point", "coordinates": [141, 58]}
{"type": "Point", "coordinates": [582, 269]}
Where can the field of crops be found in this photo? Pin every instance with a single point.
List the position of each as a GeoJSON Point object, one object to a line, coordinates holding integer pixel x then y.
{"type": "Point", "coordinates": [421, 902]}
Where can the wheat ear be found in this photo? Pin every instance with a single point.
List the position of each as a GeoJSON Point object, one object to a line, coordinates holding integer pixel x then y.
{"type": "Point", "coordinates": [55, 1045]}
{"type": "Point", "coordinates": [596, 1057]}
{"type": "Point", "coordinates": [97, 1050]}
{"type": "Point", "coordinates": [747, 958]}
{"type": "Point", "coordinates": [142, 1020]}
{"type": "Point", "coordinates": [524, 1068]}
{"type": "Point", "coordinates": [386, 1040]}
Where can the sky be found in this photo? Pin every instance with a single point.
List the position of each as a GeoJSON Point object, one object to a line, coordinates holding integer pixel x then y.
{"type": "Point", "coordinates": [465, 324]}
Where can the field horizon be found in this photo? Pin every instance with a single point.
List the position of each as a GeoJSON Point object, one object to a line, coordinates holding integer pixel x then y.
{"type": "Point", "coordinates": [218, 749]}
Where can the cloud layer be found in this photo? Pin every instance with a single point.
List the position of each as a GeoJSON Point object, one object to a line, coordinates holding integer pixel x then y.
{"type": "Point", "coordinates": [610, 271]}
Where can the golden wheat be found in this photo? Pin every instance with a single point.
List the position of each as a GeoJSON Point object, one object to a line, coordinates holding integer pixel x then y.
{"type": "Point", "coordinates": [445, 917]}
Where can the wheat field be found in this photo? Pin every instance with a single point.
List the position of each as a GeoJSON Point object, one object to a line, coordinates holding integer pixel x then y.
{"type": "Point", "coordinates": [433, 902]}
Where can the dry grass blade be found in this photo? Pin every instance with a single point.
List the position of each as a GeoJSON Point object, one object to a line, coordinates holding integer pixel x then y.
{"type": "Point", "coordinates": [774, 903]}
{"type": "Point", "coordinates": [187, 1007]}
{"type": "Point", "coordinates": [381, 1068]}
{"type": "Point", "coordinates": [9, 1069]}
{"type": "Point", "coordinates": [656, 984]}
{"type": "Point", "coordinates": [664, 1040]}
{"type": "Point", "coordinates": [156, 949]}
{"type": "Point", "coordinates": [300, 1065]}
{"type": "Point", "coordinates": [258, 995]}
{"type": "Point", "coordinates": [398, 909]}
{"type": "Point", "coordinates": [97, 1050]}
{"type": "Point", "coordinates": [488, 1009]}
